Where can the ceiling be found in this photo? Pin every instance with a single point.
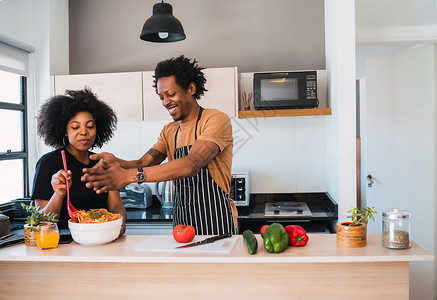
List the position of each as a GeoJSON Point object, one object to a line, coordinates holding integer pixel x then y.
{"type": "Point", "coordinates": [395, 13]}
{"type": "Point", "coordinates": [381, 22]}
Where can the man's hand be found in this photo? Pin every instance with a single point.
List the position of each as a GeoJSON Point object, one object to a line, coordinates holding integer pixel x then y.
{"type": "Point", "coordinates": [106, 175]}
{"type": "Point", "coordinates": [105, 160]}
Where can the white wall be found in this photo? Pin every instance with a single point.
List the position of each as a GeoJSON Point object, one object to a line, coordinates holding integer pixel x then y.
{"type": "Point", "coordinates": [341, 127]}
{"type": "Point", "coordinates": [16, 20]}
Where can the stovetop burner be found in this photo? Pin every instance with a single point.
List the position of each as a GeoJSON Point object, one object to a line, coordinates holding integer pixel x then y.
{"type": "Point", "coordinates": [287, 209]}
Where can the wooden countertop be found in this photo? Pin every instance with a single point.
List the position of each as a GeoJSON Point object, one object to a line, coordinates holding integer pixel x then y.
{"type": "Point", "coordinates": [321, 248]}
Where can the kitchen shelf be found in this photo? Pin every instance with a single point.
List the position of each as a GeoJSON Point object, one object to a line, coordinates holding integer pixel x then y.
{"type": "Point", "coordinates": [284, 113]}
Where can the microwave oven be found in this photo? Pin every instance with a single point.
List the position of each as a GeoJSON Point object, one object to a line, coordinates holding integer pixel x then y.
{"type": "Point", "coordinates": [285, 90]}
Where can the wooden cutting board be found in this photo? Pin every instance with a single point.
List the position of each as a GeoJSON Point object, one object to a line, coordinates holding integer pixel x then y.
{"type": "Point", "coordinates": [168, 244]}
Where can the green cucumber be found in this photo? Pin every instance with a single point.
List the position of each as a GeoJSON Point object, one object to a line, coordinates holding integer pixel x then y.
{"type": "Point", "coordinates": [252, 243]}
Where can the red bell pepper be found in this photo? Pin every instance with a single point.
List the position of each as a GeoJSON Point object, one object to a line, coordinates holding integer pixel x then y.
{"type": "Point", "coordinates": [298, 236]}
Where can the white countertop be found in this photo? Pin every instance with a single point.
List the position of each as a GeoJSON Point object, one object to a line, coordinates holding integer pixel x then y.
{"type": "Point", "coordinates": [321, 248]}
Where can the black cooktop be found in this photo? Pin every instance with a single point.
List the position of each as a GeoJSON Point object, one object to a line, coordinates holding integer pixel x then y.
{"type": "Point", "coordinates": [321, 205]}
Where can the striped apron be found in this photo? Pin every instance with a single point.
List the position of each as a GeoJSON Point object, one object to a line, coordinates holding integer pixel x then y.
{"type": "Point", "coordinates": [199, 201]}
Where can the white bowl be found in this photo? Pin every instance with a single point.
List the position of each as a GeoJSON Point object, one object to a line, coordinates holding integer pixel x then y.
{"type": "Point", "coordinates": [92, 234]}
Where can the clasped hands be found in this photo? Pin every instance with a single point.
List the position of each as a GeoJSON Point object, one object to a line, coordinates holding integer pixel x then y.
{"type": "Point", "coordinates": [106, 175]}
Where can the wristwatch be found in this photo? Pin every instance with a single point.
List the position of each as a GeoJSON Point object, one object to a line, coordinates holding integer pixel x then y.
{"type": "Point", "coordinates": [141, 176]}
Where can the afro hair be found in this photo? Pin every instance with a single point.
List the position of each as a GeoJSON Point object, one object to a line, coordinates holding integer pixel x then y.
{"type": "Point", "coordinates": [56, 112]}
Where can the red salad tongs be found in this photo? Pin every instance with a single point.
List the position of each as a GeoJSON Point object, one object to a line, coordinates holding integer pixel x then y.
{"type": "Point", "coordinates": [70, 207]}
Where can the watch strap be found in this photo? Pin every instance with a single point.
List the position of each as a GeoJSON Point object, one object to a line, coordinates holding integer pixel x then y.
{"type": "Point", "coordinates": [141, 176]}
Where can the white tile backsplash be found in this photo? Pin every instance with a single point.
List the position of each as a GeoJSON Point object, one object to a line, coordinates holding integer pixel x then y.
{"type": "Point", "coordinates": [311, 173]}
{"type": "Point", "coordinates": [269, 174]}
{"type": "Point", "coordinates": [127, 141]}
{"type": "Point", "coordinates": [310, 136]}
{"type": "Point", "coordinates": [258, 136]}
{"type": "Point", "coordinates": [283, 155]}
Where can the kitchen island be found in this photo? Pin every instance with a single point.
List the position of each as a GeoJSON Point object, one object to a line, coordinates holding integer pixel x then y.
{"type": "Point", "coordinates": [116, 271]}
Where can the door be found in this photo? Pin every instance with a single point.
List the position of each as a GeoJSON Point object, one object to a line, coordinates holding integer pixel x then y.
{"type": "Point", "coordinates": [399, 145]}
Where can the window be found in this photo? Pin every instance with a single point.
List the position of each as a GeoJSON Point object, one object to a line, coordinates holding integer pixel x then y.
{"type": "Point", "coordinates": [14, 181]}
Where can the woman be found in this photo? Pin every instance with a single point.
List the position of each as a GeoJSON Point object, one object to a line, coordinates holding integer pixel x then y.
{"type": "Point", "coordinates": [74, 122]}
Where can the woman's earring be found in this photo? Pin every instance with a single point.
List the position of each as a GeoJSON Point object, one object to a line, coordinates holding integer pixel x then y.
{"type": "Point", "coordinates": [63, 141]}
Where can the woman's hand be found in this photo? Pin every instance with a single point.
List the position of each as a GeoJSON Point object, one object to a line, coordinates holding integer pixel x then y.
{"type": "Point", "coordinates": [59, 182]}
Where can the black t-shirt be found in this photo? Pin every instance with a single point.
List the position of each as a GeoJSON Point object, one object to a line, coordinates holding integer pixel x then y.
{"type": "Point", "coordinates": [81, 197]}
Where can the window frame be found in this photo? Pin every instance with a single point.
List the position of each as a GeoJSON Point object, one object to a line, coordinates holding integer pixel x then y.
{"type": "Point", "coordinates": [24, 155]}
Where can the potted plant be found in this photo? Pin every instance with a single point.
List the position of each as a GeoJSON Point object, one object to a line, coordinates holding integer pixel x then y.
{"type": "Point", "coordinates": [354, 233]}
{"type": "Point", "coordinates": [36, 217]}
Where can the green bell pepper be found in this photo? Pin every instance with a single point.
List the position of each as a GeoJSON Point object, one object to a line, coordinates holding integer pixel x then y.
{"type": "Point", "coordinates": [275, 238]}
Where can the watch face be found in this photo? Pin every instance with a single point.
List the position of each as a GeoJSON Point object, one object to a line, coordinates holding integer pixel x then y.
{"type": "Point", "coordinates": [140, 177]}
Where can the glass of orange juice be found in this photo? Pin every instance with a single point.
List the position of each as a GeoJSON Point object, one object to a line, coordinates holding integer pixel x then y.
{"type": "Point", "coordinates": [47, 236]}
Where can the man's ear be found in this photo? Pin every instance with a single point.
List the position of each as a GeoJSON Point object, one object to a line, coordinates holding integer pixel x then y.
{"type": "Point", "coordinates": [192, 88]}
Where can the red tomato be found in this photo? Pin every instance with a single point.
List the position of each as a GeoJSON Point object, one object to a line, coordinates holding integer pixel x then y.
{"type": "Point", "coordinates": [263, 229]}
{"type": "Point", "coordinates": [184, 233]}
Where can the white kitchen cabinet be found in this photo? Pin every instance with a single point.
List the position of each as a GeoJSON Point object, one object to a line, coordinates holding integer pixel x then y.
{"type": "Point", "coordinates": [52, 86]}
{"type": "Point", "coordinates": [153, 109]}
{"type": "Point", "coordinates": [133, 97]}
{"type": "Point", "coordinates": [122, 91]}
{"type": "Point", "coordinates": [222, 94]}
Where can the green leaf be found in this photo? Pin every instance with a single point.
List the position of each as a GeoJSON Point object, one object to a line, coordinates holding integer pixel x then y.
{"type": "Point", "coordinates": [37, 216]}
{"type": "Point", "coordinates": [358, 216]}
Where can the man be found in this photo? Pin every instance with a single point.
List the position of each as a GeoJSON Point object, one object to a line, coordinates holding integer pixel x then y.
{"type": "Point", "coordinates": [198, 145]}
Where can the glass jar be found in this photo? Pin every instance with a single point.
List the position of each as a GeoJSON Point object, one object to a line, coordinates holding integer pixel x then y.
{"type": "Point", "coordinates": [396, 229]}
{"type": "Point", "coordinates": [47, 236]}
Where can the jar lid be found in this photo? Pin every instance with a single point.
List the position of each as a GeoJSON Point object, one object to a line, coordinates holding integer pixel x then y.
{"type": "Point", "coordinates": [395, 214]}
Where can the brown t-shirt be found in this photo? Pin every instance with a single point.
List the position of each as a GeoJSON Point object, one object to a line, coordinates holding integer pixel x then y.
{"type": "Point", "coordinates": [214, 126]}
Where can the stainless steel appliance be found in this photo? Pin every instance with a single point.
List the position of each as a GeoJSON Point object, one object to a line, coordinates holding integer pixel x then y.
{"type": "Point", "coordinates": [165, 193]}
{"type": "Point", "coordinates": [136, 196]}
{"type": "Point", "coordinates": [287, 209]}
{"type": "Point", "coordinates": [240, 188]}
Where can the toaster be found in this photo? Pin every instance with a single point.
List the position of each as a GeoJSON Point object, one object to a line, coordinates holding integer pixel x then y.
{"type": "Point", "coordinates": [136, 196]}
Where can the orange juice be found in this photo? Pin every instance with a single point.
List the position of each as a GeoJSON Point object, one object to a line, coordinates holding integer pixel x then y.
{"type": "Point", "coordinates": [47, 236]}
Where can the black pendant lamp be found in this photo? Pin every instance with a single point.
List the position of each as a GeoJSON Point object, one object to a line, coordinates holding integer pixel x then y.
{"type": "Point", "coordinates": [162, 27]}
